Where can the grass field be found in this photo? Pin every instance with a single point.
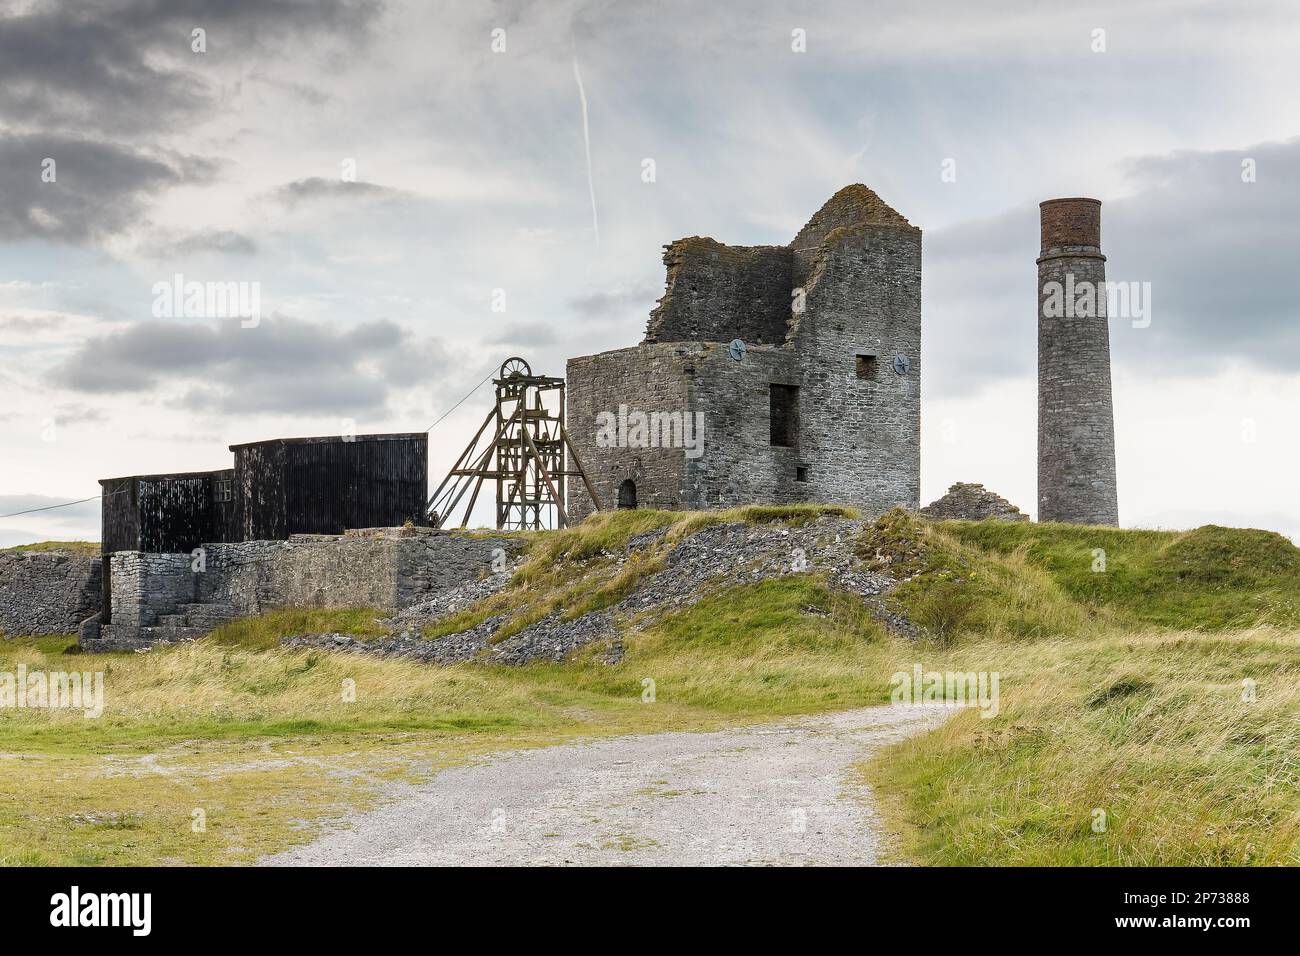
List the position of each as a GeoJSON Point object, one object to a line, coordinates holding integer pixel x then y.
{"type": "Point", "coordinates": [1110, 702]}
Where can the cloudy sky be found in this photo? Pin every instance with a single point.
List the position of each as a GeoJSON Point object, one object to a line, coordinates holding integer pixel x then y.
{"type": "Point", "coordinates": [380, 170]}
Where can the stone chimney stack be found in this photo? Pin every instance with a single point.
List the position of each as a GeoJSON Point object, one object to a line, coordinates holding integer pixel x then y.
{"type": "Point", "coordinates": [1076, 422]}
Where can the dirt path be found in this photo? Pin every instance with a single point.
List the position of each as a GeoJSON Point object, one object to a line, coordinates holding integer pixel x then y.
{"type": "Point", "coordinates": [774, 794]}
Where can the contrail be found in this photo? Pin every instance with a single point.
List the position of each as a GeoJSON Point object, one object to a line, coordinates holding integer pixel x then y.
{"type": "Point", "coordinates": [586, 138]}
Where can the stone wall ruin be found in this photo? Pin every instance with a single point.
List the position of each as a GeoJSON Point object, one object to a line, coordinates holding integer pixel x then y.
{"type": "Point", "coordinates": [164, 598]}
{"type": "Point", "coordinates": [47, 592]}
{"type": "Point", "coordinates": [830, 324]}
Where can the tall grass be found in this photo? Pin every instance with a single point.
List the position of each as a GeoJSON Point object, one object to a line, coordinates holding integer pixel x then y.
{"type": "Point", "coordinates": [267, 630]}
{"type": "Point", "coordinates": [1135, 750]}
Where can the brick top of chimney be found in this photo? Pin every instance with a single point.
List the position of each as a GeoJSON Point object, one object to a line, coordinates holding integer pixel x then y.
{"type": "Point", "coordinates": [1070, 222]}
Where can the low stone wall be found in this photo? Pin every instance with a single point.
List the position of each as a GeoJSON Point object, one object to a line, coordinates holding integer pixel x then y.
{"type": "Point", "coordinates": [357, 570]}
{"type": "Point", "coordinates": [47, 592]}
{"type": "Point", "coordinates": [169, 597]}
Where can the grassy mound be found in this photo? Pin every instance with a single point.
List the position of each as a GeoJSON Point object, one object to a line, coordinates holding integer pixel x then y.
{"type": "Point", "coordinates": [574, 571]}
{"type": "Point", "coordinates": [1211, 578]}
{"type": "Point", "coordinates": [950, 588]}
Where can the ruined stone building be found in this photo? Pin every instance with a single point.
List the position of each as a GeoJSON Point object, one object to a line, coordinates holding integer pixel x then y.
{"type": "Point", "coordinates": [971, 501]}
{"type": "Point", "coordinates": [800, 365]}
{"type": "Point", "coordinates": [1076, 422]}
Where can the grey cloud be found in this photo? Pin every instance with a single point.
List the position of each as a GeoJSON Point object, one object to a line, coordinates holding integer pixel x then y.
{"type": "Point", "coordinates": [100, 188]}
{"type": "Point", "coordinates": [1219, 253]}
{"type": "Point", "coordinates": [221, 241]}
{"type": "Point", "coordinates": [282, 365]}
{"type": "Point", "coordinates": [316, 187]}
{"type": "Point", "coordinates": [85, 72]}
{"type": "Point", "coordinates": [525, 333]}
{"type": "Point", "coordinates": [378, 336]}
{"type": "Point", "coordinates": [306, 394]}
{"type": "Point", "coordinates": [69, 415]}
{"type": "Point", "coordinates": [19, 323]}
{"type": "Point", "coordinates": [609, 304]}
{"type": "Point", "coordinates": [77, 67]}
{"type": "Point", "coordinates": [128, 66]}
{"type": "Point", "coordinates": [307, 94]}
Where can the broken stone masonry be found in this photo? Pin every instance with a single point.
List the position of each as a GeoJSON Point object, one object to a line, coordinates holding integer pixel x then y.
{"type": "Point", "coordinates": [802, 361]}
{"type": "Point", "coordinates": [973, 502]}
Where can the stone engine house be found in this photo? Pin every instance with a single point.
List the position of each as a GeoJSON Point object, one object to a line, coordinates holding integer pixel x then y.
{"type": "Point", "coordinates": [767, 374]}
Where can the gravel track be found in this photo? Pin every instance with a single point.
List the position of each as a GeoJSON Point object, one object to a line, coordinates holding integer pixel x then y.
{"type": "Point", "coordinates": [780, 794]}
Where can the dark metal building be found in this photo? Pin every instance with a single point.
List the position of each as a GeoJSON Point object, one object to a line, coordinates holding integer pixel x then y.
{"type": "Point", "coordinates": [290, 486]}
{"type": "Point", "coordinates": [166, 513]}
{"type": "Point", "coordinates": [278, 488]}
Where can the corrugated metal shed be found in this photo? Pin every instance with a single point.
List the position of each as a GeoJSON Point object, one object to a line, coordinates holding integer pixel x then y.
{"type": "Point", "coordinates": [277, 488]}
{"type": "Point", "coordinates": [166, 513]}
{"type": "Point", "coordinates": [288, 486]}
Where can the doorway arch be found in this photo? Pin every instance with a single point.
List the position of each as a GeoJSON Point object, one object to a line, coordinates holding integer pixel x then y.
{"type": "Point", "coordinates": [627, 494]}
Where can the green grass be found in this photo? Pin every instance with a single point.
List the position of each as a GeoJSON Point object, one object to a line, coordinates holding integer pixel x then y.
{"type": "Point", "coordinates": [51, 644]}
{"type": "Point", "coordinates": [760, 650]}
{"type": "Point", "coordinates": [1123, 695]}
{"type": "Point", "coordinates": [1147, 735]}
{"type": "Point", "coordinates": [268, 630]}
{"type": "Point", "coordinates": [1211, 578]}
{"type": "Point", "coordinates": [76, 547]}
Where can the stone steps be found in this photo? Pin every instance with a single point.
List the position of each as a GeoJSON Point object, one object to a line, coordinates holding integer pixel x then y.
{"type": "Point", "coordinates": [207, 616]}
{"type": "Point", "coordinates": [188, 623]}
{"type": "Point", "coordinates": [172, 634]}
{"type": "Point", "coordinates": [117, 637]}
